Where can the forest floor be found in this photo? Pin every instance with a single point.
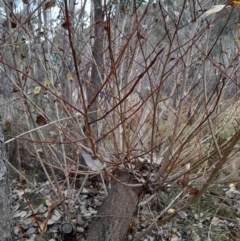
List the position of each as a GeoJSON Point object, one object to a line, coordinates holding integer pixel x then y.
{"type": "Point", "coordinates": [214, 217]}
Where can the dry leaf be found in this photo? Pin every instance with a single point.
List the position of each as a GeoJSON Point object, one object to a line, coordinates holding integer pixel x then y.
{"type": "Point", "coordinates": [237, 41]}
{"type": "Point", "coordinates": [22, 56]}
{"type": "Point", "coordinates": [46, 83]}
{"type": "Point", "coordinates": [31, 230]}
{"type": "Point", "coordinates": [15, 89]}
{"type": "Point", "coordinates": [48, 203]}
{"type": "Point", "coordinates": [55, 217]}
{"type": "Point", "coordinates": [140, 36]}
{"type": "Point", "coordinates": [215, 221]}
{"type": "Point", "coordinates": [192, 191]}
{"type": "Point", "coordinates": [66, 24]}
{"type": "Point", "coordinates": [61, 49]}
{"type": "Point", "coordinates": [37, 90]}
{"type": "Point", "coordinates": [20, 214]}
{"type": "Point", "coordinates": [214, 9]}
{"type": "Point", "coordinates": [23, 214]}
{"type": "Point", "coordinates": [7, 125]}
{"type": "Point", "coordinates": [69, 76]}
{"type": "Point", "coordinates": [182, 214]}
{"type": "Point", "coordinates": [185, 180]}
{"type": "Point", "coordinates": [108, 29]}
{"type": "Point", "coordinates": [171, 210]}
{"type": "Point", "coordinates": [125, 9]}
{"type": "Point", "coordinates": [79, 61]}
{"type": "Point", "coordinates": [234, 3]}
{"type": "Point", "coordinates": [50, 4]}
{"type": "Point", "coordinates": [41, 121]}
{"type": "Point", "coordinates": [25, 1]}
{"type": "Point", "coordinates": [94, 164]}
{"type": "Point", "coordinates": [96, 23]}
{"type": "Point", "coordinates": [16, 230]}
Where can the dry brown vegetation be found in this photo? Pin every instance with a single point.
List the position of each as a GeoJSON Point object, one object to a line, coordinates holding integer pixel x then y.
{"type": "Point", "coordinates": [141, 98]}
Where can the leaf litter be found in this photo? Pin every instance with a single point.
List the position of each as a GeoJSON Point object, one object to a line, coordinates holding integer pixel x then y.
{"type": "Point", "coordinates": [192, 224]}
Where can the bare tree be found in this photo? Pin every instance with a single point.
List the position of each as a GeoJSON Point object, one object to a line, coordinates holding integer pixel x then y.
{"type": "Point", "coordinates": [138, 93]}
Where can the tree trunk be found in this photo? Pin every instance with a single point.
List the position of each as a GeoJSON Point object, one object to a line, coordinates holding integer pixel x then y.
{"type": "Point", "coordinates": [97, 64]}
{"type": "Point", "coordinates": [115, 215]}
{"type": "Point", "coordinates": [5, 194]}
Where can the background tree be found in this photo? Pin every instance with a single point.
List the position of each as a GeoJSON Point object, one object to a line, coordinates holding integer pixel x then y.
{"type": "Point", "coordinates": [5, 194]}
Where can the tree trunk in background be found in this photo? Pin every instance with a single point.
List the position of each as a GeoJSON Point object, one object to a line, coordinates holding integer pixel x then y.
{"type": "Point", "coordinates": [39, 69]}
{"type": "Point", "coordinates": [115, 215]}
{"type": "Point", "coordinates": [97, 64]}
{"type": "Point", "coordinates": [5, 194]}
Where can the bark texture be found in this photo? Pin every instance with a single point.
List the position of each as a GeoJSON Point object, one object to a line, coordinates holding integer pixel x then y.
{"type": "Point", "coordinates": [97, 64]}
{"type": "Point", "coordinates": [114, 217]}
{"type": "Point", "coordinates": [5, 194]}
